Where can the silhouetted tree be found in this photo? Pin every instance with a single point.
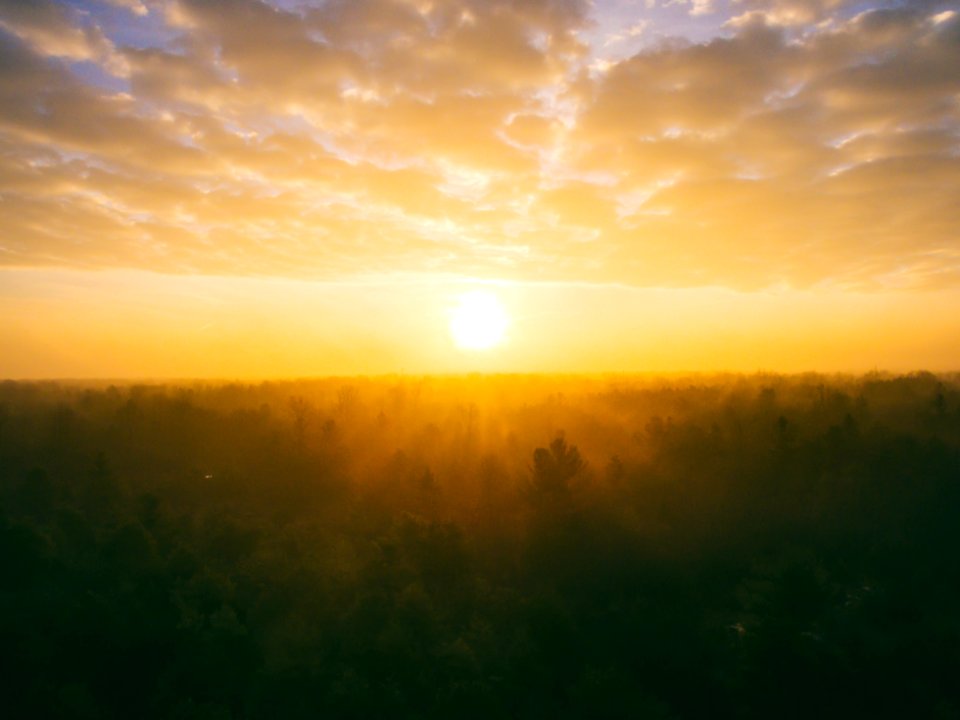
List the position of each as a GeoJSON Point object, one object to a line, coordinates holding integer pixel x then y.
{"type": "Point", "coordinates": [554, 468]}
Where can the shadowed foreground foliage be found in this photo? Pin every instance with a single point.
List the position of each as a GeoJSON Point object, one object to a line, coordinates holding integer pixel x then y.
{"type": "Point", "coordinates": [725, 547]}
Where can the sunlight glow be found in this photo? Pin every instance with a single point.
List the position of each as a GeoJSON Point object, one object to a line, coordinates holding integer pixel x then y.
{"type": "Point", "coordinates": [479, 321]}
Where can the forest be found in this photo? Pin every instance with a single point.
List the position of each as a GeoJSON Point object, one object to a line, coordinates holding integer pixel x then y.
{"type": "Point", "coordinates": [486, 546]}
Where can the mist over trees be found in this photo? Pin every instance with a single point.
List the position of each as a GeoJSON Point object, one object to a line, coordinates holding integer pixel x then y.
{"type": "Point", "coordinates": [484, 546]}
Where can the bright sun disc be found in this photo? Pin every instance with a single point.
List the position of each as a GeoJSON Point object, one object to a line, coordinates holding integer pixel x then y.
{"type": "Point", "coordinates": [478, 321]}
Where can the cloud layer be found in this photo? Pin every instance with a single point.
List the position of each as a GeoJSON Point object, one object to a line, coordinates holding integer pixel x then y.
{"type": "Point", "coordinates": [803, 142]}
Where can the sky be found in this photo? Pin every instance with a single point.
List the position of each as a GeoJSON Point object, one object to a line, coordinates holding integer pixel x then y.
{"type": "Point", "coordinates": [245, 188]}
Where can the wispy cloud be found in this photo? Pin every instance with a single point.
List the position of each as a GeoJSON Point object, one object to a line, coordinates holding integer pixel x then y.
{"type": "Point", "coordinates": [809, 141]}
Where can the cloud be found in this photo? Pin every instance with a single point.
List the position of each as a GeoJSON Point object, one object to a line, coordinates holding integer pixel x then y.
{"type": "Point", "coordinates": [53, 30]}
{"type": "Point", "coordinates": [468, 137]}
{"type": "Point", "coordinates": [702, 7]}
{"type": "Point", "coordinates": [137, 7]}
{"type": "Point", "coordinates": [829, 157]}
{"type": "Point", "coordinates": [789, 12]}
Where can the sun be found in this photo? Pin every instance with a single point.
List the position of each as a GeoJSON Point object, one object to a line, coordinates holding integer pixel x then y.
{"type": "Point", "coordinates": [478, 321]}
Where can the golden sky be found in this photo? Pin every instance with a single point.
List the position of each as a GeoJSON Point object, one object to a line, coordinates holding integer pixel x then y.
{"type": "Point", "coordinates": [253, 187]}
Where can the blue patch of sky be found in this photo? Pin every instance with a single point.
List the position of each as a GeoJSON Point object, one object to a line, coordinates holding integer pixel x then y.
{"type": "Point", "coordinates": [125, 28]}
{"type": "Point", "coordinates": [674, 19]}
{"type": "Point", "coordinates": [90, 73]}
{"type": "Point", "coordinates": [608, 35]}
{"type": "Point", "coordinates": [294, 6]}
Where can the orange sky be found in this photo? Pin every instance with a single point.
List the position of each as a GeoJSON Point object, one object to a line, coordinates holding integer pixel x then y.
{"type": "Point", "coordinates": [248, 188]}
